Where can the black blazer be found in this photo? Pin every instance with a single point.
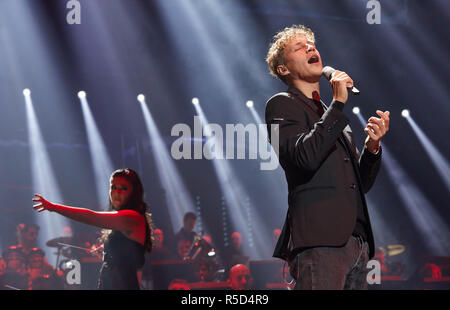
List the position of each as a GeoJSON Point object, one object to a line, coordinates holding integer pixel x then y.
{"type": "Point", "coordinates": [321, 179]}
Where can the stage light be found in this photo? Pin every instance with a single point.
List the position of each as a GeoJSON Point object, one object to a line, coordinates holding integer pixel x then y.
{"type": "Point", "coordinates": [26, 92]}
{"type": "Point", "coordinates": [437, 158]}
{"type": "Point", "coordinates": [179, 200]}
{"type": "Point", "coordinates": [355, 110]}
{"type": "Point", "coordinates": [234, 198]}
{"type": "Point", "coordinates": [82, 94]}
{"type": "Point", "coordinates": [420, 209]}
{"type": "Point", "coordinates": [101, 161]}
{"type": "Point", "coordinates": [43, 178]}
{"type": "Point", "coordinates": [141, 98]}
{"type": "Point", "coordinates": [250, 103]}
{"type": "Point", "coordinates": [195, 101]}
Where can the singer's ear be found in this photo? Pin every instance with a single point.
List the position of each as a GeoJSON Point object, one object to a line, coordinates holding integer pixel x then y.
{"type": "Point", "coordinates": [282, 70]}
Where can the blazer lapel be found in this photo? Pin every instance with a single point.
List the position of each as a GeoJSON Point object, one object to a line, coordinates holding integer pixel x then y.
{"type": "Point", "coordinates": [298, 94]}
{"type": "Point", "coordinates": [346, 139]}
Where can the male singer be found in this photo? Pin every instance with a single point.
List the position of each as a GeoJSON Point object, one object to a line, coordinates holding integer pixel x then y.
{"type": "Point", "coordinates": [327, 237]}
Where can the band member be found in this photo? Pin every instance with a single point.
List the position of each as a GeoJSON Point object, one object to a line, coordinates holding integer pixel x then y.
{"type": "Point", "coordinates": [14, 273]}
{"type": "Point", "coordinates": [233, 254]}
{"type": "Point", "coordinates": [127, 229]}
{"type": "Point", "coordinates": [240, 277]}
{"type": "Point", "coordinates": [27, 235]}
{"type": "Point", "coordinates": [186, 235]}
{"type": "Point", "coordinates": [39, 276]}
{"type": "Point", "coordinates": [327, 236]}
{"type": "Point", "coordinates": [160, 252]}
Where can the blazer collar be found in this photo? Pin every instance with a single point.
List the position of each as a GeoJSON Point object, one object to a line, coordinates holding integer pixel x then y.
{"type": "Point", "coordinates": [294, 90]}
{"type": "Point", "coordinates": [344, 139]}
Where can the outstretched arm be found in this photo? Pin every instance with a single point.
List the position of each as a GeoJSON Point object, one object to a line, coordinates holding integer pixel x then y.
{"type": "Point", "coordinates": [116, 220]}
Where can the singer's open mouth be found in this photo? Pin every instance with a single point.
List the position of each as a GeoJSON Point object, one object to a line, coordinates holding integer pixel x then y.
{"type": "Point", "coordinates": [313, 59]}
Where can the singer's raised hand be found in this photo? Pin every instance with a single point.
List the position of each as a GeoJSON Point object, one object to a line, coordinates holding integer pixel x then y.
{"type": "Point", "coordinates": [376, 128]}
{"type": "Point", "coordinates": [339, 82]}
{"type": "Point", "coordinates": [43, 204]}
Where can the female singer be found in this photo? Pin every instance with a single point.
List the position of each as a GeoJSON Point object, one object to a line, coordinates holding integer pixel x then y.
{"type": "Point", "coordinates": [127, 229]}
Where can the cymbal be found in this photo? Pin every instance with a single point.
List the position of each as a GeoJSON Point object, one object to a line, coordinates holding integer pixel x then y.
{"type": "Point", "coordinates": [54, 243]}
{"type": "Point", "coordinates": [395, 249]}
{"type": "Point", "coordinates": [392, 249]}
{"type": "Point", "coordinates": [75, 253]}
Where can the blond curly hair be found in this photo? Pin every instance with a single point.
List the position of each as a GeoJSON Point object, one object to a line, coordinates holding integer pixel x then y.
{"type": "Point", "coordinates": [275, 55]}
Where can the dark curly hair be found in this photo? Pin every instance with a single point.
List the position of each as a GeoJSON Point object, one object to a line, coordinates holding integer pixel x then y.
{"type": "Point", "coordinates": [135, 202]}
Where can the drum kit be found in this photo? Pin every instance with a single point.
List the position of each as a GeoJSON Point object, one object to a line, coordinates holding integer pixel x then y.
{"type": "Point", "coordinates": [13, 269]}
{"type": "Point", "coordinates": [26, 270]}
{"type": "Point", "coordinates": [29, 271]}
{"type": "Point", "coordinates": [69, 248]}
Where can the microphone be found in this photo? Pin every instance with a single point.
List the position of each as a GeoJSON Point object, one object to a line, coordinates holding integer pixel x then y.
{"type": "Point", "coordinates": [328, 71]}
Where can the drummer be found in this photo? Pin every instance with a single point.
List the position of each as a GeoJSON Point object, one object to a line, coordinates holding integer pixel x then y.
{"type": "Point", "coordinates": [27, 238]}
{"type": "Point", "coordinates": [27, 235]}
{"type": "Point", "coordinates": [36, 264]}
{"type": "Point", "coordinates": [41, 277]}
{"type": "Point", "coordinates": [14, 272]}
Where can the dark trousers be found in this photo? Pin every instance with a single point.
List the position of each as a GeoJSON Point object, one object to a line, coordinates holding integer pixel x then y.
{"type": "Point", "coordinates": [332, 268]}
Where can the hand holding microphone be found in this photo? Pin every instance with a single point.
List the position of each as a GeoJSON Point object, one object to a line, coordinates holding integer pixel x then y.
{"type": "Point", "coordinates": [340, 82]}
